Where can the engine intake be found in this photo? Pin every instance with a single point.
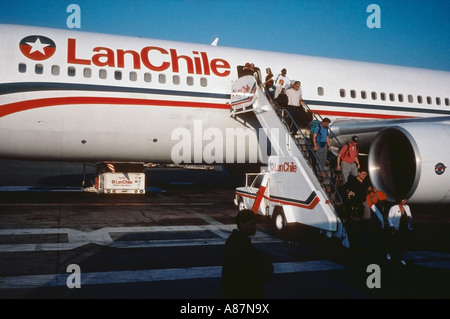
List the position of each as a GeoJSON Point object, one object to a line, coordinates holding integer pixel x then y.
{"type": "Point", "coordinates": [410, 160]}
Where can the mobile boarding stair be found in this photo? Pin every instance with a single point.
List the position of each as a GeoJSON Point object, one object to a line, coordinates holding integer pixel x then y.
{"type": "Point", "coordinates": [317, 199]}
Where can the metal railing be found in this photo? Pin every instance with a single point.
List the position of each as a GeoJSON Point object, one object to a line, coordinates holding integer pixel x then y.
{"type": "Point", "coordinates": [334, 181]}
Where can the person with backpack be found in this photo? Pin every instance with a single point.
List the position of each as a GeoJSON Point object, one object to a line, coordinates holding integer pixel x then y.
{"type": "Point", "coordinates": [321, 144]}
{"type": "Point", "coordinates": [347, 160]}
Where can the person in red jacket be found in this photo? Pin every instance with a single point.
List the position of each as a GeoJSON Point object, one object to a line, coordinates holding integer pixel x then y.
{"type": "Point", "coordinates": [347, 159]}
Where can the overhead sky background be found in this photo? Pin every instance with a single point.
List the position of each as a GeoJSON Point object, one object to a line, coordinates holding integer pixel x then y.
{"type": "Point", "coordinates": [411, 32]}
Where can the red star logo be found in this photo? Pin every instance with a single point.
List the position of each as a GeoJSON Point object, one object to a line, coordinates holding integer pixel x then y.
{"type": "Point", "coordinates": [37, 47]}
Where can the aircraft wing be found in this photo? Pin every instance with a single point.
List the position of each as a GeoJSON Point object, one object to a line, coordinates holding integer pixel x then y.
{"type": "Point", "coordinates": [367, 129]}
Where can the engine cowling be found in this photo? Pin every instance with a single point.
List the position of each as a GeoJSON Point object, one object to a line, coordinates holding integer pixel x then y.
{"type": "Point", "coordinates": [410, 161]}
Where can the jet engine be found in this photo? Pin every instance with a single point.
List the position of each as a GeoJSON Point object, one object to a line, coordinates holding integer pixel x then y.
{"type": "Point", "coordinates": [410, 161]}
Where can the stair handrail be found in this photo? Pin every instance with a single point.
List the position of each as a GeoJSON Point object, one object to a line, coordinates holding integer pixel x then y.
{"type": "Point", "coordinates": [294, 128]}
{"type": "Point", "coordinates": [317, 116]}
{"type": "Point", "coordinates": [292, 125]}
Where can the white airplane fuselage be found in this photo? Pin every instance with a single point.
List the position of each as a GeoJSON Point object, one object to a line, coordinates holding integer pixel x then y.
{"type": "Point", "coordinates": [75, 96]}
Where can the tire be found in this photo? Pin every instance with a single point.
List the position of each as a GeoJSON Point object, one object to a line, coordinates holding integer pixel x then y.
{"type": "Point", "coordinates": [241, 205]}
{"type": "Point", "coordinates": [279, 220]}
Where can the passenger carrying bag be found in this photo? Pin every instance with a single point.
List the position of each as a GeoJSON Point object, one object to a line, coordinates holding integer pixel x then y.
{"type": "Point", "coordinates": [303, 117]}
{"type": "Point", "coordinates": [314, 125]}
{"type": "Point", "coordinates": [282, 100]}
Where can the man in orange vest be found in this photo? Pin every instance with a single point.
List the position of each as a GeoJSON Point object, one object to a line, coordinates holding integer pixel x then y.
{"type": "Point", "coordinates": [373, 197]}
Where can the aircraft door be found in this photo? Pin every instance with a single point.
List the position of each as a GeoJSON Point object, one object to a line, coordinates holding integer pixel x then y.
{"type": "Point", "coordinates": [242, 72]}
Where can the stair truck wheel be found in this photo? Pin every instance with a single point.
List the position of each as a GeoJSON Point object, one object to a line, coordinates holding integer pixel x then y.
{"type": "Point", "coordinates": [241, 205]}
{"type": "Point", "coordinates": [279, 220]}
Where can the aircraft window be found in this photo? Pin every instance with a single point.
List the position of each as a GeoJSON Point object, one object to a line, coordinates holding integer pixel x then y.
{"type": "Point", "coordinates": [147, 77]}
{"type": "Point", "coordinates": [383, 96]}
{"type": "Point", "coordinates": [203, 82]}
{"type": "Point", "coordinates": [118, 75]}
{"type": "Point", "coordinates": [447, 101]}
{"type": "Point", "coordinates": [410, 98]}
{"type": "Point", "coordinates": [162, 78]}
{"type": "Point", "coordinates": [55, 69]}
{"type": "Point", "coordinates": [364, 94]}
{"type": "Point", "coordinates": [419, 99]}
{"type": "Point", "coordinates": [342, 92]}
{"type": "Point", "coordinates": [176, 79]}
{"type": "Point", "coordinates": [374, 95]}
{"type": "Point", "coordinates": [133, 76]}
{"type": "Point", "coordinates": [320, 91]}
{"type": "Point", "coordinates": [429, 100]}
{"type": "Point", "coordinates": [87, 72]}
{"type": "Point", "coordinates": [438, 101]}
{"type": "Point", "coordinates": [392, 97]}
{"type": "Point", "coordinates": [39, 68]}
{"type": "Point", "coordinates": [102, 74]}
{"type": "Point", "coordinates": [353, 93]}
{"type": "Point", "coordinates": [400, 97]}
{"type": "Point", "coordinates": [22, 67]}
{"type": "Point", "coordinates": [190, 80]}
{"type": "Point", "coordinates": [71, 71]}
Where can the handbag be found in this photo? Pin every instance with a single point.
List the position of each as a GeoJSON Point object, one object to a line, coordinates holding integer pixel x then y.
{"type": "Point", "coordinates": [332, 159]}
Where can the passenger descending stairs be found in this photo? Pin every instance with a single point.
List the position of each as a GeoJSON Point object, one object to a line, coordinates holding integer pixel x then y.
{"type": "Point", "coordinates": [248, 96]}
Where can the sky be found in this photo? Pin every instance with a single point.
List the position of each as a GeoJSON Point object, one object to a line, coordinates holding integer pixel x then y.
{"type": "Point", "coordinates": [412, 33]}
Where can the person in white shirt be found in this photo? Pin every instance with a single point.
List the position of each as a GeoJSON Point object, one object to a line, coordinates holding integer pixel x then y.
{"type": "Point", "coordinates": [295, 95]}
{"type": "Point", "coordinates": [399, 223]}
{"type": "Point", "coordinates": [281, 82]}
{"type": "Point", "coordinates": [296, 106]}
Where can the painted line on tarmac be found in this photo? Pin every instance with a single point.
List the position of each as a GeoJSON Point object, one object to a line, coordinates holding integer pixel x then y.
{"type": "Point", "coordinates": [62, 189]}
{"type": "Point", "coordinates": [186, 242]}
{"type": "Point", "coordinates": [102, 204]}
{"type": "Point", "coordinates": [122, 277]}
{"type": "Point", "coordinates": [77, 238]}
{"type": "Point", "coordinates": [211, 221]}
{"type": "Point", "coordinates": [430, 259]}
{"type": "Point", "coordinates": [41, 189]}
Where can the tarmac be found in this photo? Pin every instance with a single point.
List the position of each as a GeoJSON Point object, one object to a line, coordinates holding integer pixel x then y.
{"type": "Point", "coordinates": [168, 243]}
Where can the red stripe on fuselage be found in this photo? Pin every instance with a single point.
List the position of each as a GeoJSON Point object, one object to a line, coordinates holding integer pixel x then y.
{"type": "Point", "coordinates": [325, 113]}
{"type": "Point", "coordinates": [15, 107]}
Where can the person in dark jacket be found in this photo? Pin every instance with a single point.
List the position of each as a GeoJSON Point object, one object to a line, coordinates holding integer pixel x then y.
{"type": "Point", "coordinates": [354, 193]}
{"type": "Point", "coordinates": [244, 269]}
